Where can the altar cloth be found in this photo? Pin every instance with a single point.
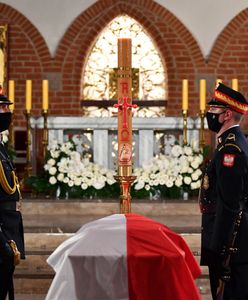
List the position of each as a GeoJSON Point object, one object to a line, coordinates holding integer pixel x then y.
{"type": "Point", "coordinates": [124, 257]}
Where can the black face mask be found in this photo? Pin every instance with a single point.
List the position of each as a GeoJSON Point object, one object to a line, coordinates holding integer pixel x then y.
{"type": "Point", "coordinates": [5, 120]}
{"type": "Point", "coordinates": [213, 121]}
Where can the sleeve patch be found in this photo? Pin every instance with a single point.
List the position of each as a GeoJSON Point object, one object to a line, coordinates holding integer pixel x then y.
{"type": "Point", "coordinates": [228, 160]}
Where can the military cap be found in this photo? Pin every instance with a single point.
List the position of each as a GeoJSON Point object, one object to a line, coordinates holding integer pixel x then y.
{"type": "Point", "coordinates": [4, 99]}
{"type": "Point", "coordinates": [226, 97]}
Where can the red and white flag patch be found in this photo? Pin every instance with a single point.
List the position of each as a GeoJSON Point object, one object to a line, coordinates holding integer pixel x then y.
{"type": "Point", "coordinates": [228, 160]}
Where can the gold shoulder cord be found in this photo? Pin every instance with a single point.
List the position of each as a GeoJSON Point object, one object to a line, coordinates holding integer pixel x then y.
{"type": "Point", "coordinates": [4, 182]}
{"type": "Point", "coordinates": [229, 144]}
{"type": "Point", "coordinates": [235, 146]}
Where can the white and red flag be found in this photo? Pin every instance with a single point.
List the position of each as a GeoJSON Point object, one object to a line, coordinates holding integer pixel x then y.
{"type": "Point", "coordinates": [124, 257]}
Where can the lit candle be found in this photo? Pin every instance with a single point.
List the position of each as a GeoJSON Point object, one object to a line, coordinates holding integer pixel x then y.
{"type": "Point", "coordinates": [202, 95]}
{"type": "Point", "coordinates": [235, 85]}
{"type": "Point", "coordinates": [11, 90]}
{"type": "Point", "coordinates": [28, 95]}
{"type": "Point", "coordinates": [218, 81]}
{"type": "Point", "coordinates": [45, 95]}
{"type": "Point", "coordinates": [185, 95]}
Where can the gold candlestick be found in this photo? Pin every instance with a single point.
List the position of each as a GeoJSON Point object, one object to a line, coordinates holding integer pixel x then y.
{"type": "Point", "coordinates": [202, 140]}
{"type": "Point", "coordinates": [185, 113]}
{"type": "Point", "coordinates": [28, 168]}
{"type": "Point", "coordinates": [124, 83]}
{"type": "Point", "coordinates": [11, 96]}
{"type": "Point", "coordinates": [45, 133]}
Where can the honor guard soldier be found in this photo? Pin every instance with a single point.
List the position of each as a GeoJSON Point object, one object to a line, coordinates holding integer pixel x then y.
{"type": "Point", "coordinates": [223, 198]}
{"type": "Point", "coordinates": [11, 226]}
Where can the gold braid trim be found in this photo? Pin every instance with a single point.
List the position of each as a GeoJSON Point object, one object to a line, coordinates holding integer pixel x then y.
{"type": "Point", "coordinates": [241, 107]}
{"type": "Point", "coordinates": [4, 182]}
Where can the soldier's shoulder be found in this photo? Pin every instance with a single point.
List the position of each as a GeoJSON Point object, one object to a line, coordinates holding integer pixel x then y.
{"type": "Point", "coordinates": [232, 144]}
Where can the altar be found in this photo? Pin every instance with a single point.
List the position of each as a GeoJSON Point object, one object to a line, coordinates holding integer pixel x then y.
{"type": "Point", "coordinates": [151, 136]}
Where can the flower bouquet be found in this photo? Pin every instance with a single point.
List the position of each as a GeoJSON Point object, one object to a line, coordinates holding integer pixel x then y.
{"type": "Point", "coordinates": [170, 175]}
{"type": "Point", "coordinates": [67, 174]}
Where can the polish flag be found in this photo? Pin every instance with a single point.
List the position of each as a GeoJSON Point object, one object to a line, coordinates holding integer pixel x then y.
{"type": "Point", "coordinates": [124, 257]}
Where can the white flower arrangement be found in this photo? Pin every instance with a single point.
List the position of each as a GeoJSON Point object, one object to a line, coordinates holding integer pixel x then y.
{"type": "Point", "coordinates": [178, 170]}
{"type": "Point", "coordinates": [69, 171]}
{"type": "Point", "coordinates": [164, 175]}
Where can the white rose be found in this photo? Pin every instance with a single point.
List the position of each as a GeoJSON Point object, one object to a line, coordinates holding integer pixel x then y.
{"type": "Point", "coordinates": [185, 169]}
{"type": "Point", "coordinates": [198, 184]}
{"type": "Point", "coordinates": [187, 150]}
{"type": "Point", "coordinates": [193, 186]}
{"type": "Point", "coordinates": [60, 177]}
{"type": "Point", "coordinates": [178, 182]}
{"type": "Point", "coordinates": [190, 170]}
{"type": "Point", "coordinates": [152, 176]}
{"type": "Point", "coordinates": [52, 171]}
{"type": "Point", "coordinates": [66, 180]}
{"type": "Point", "coordinates": [190, 158]}
{"type": "Point", "coordinates": [169, 183]}
{"type": "Point", "coordinates": [110, 181]}
{"type": "Point", "coordinates": [161, 181]}
{"type": "Point", "coordinates": [78, 181]}
{"type": "Point", "coordinates": [139, 185]}
{"type": "Point", "coordinates": [176, 150]}
{"type": "Point", "coordinates": [156, 182]}
{"type": "Point", "coordinates": [62, 170]}
{"type": "Point", "coordinates": [51, 162]}
{"type": "Point", "coordinates": [195, 164]}
{"type": "Point", "coordinates": [151, 182]}
{"type": "Point", "coordinates": [52, 180]}
{"type": "Point", "coordinates": [187, 180]}
{"type": "Point", "coordinates": [147, 187]}
{"type": "Point", "coordinates": [47, 167]}
{"type": "Point", "coordinates": [99, 185]}
{"type": "Point", "coordinates": [194, 176]}
{"type": "Point", "coordinates": [54, 154]}
{"type": "Point", "coordinates": [70, 183]}
{"type": "Point", "coordinates": [84, 186]}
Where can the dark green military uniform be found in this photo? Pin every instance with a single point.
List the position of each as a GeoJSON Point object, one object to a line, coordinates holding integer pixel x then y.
{"type": "Point", "coordinates": [224, 193]}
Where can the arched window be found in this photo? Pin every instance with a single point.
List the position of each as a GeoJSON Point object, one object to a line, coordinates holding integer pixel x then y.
{"type": "Point", "coordinates": [149, 75]}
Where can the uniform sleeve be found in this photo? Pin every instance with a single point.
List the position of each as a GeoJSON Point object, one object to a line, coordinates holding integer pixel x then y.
{"type": "Point", "coordinates": [231, 169]}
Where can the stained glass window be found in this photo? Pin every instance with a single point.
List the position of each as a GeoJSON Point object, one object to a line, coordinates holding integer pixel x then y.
{"type": "Point", "coordinates": [149, 75]}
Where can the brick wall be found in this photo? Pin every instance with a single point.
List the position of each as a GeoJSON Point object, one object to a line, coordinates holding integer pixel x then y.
{"type": "Point", "coordinates": [29, 57]}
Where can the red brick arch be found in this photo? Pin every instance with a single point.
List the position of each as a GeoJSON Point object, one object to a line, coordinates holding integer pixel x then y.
{"type": "Point", "coordinates": [229, 55]}
{"type": "Point", "coordinates": [27, 54]}
{"type": "Point", "coordinates": [180, 52]}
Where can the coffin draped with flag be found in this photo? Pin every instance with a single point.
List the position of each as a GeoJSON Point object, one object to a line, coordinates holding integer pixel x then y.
{"type": "Point", "coordinates": [124, 257]}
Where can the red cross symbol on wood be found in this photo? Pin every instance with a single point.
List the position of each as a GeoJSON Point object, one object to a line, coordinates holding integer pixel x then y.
{"type": "Point", "coordinates": [124, 106]}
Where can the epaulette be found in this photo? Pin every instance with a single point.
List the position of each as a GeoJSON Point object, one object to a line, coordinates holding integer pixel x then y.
{"type": "Point", "coordinates": [230, 145]}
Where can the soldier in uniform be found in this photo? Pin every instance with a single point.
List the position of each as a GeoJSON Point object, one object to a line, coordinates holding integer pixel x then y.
{"type": "Point", "coordinates": [11, 226]}
{"type": "Point", "coordinates": [223, 198]}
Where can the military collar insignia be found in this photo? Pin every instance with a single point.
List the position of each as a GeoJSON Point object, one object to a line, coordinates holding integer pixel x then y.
{"type": "Point", "coordinates": [230, 137]}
